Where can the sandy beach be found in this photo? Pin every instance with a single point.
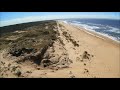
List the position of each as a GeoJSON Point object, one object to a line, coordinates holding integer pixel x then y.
{"type": "Point", "coordinates": [91, 55]}
{"type": "Point", "coordinates": [106, 60]}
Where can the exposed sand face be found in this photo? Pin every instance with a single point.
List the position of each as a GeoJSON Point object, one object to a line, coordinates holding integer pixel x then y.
{"type": "Point", "coordinates": [102, 60]}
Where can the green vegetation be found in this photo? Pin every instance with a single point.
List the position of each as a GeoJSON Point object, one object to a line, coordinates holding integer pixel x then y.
{"type": "Point", "coordinates": [26, 26]}
{"type": "Point", "coordinates": [36, 35]}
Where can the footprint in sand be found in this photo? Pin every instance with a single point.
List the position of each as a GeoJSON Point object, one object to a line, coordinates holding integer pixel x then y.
{"type": "Point", "coordinates": [84, 64]}
{"type": "Point", "coordinates": [77, 59]}
{"type": "Point", "coordinates": [74, 48]}
{"type": "Point", "coordinates": [71, 75]}
{"type": "Point", "coordinates": [86, 70]}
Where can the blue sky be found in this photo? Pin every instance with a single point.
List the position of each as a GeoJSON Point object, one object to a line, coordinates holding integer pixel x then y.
{"type": "Point", "coordinates": [9, 18]}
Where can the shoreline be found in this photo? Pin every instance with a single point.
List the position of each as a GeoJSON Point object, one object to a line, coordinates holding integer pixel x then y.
{"type": "Point", "coordinates": [95, 34]}
{"type": "Point", "coordinates": [106, 60]}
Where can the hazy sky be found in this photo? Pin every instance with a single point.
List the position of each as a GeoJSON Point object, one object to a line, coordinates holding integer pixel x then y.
{"type": "Point", "coordinates": [9, 18]}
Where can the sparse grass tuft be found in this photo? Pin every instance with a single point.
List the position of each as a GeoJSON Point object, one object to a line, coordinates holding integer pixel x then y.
{"type": "Point", "coordinates": [61, 41]}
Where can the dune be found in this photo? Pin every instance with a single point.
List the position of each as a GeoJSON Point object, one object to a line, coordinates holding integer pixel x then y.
{"type": "Point", "coordinates": [79, 53]}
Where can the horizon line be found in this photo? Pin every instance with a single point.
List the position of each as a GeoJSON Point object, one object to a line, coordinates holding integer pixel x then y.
{"type": "Point", "coordinates": [49, 19]}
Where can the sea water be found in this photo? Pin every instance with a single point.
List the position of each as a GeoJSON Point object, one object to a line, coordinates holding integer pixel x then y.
{"type": "Point", "coordinates": [106, 27]}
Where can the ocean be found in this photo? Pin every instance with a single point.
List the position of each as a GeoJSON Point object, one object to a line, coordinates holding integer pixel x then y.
{"type": "Point", "coordinates": [106, 27]}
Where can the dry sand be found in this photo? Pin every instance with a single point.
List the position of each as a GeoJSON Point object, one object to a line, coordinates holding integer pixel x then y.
{"type": "Point", "coordinates": [104, 61]}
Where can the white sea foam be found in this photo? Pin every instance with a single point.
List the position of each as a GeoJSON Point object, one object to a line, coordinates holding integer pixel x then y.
{"type": "Point", "coordinates": [113, 29]}
{"type": "Point", "coordinates": [98, 26]}
{"type": "Point", "coordinates": [91, 28]}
